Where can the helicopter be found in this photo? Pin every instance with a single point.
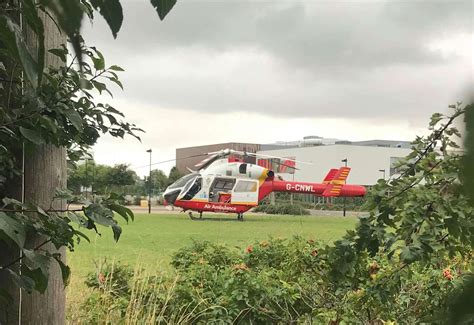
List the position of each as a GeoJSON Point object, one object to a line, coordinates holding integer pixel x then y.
{"type": "Point", "coordinates": [225, 186]}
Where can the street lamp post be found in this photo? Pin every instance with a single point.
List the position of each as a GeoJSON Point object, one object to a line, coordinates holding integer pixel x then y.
{"type": "Point", "coordinates": [344, 199]}
{"type": "Point", "coordinates": [149, 184]}
{"type": "Point", "coordinates": [382, 171]}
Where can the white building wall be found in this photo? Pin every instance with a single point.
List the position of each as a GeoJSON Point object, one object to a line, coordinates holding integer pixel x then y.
{"type": "Point", "coordinates": [365, 161]}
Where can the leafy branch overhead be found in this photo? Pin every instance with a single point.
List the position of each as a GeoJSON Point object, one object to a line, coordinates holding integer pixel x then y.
{"type": "Point", "coordinates": [42, 104]}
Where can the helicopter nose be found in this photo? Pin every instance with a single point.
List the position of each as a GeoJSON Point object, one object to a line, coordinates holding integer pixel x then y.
{"type": "Point", "coordinates": [171, 196]}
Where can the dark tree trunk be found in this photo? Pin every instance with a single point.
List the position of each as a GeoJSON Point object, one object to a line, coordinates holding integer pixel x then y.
{"type": "Point", "coordinates": [44, 172]}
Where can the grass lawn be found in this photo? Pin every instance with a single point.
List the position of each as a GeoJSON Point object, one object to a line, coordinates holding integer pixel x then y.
{"type": "Point", "coordinates": [150, 240]}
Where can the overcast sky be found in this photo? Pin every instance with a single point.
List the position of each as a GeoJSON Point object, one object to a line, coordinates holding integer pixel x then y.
{"type": "Point", "coordinates": [266, 71]}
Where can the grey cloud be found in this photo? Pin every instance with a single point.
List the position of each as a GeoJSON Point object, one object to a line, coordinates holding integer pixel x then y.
{"type": "Point", "coordinates": [314, 33]}
{"type": "Point", "coordinates": [332, 59]}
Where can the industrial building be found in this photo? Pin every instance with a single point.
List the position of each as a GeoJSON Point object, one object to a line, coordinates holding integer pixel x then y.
{"type": "Point", "coordinates": [369, 161]}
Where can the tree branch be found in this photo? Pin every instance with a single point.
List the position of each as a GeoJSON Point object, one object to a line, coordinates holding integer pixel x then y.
{"type": "Point", "coordinates": [50, 210]}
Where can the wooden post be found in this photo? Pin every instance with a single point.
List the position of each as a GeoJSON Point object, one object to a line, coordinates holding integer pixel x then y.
{"type": "Point", "coordinates": [44, 172]}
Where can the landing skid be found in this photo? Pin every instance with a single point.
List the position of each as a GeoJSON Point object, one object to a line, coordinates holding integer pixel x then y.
{"type": "Point", "coordinates": [240, 217]}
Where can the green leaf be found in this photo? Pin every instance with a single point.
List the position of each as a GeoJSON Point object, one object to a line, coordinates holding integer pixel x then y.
{"type": "Point", "coordinates": [116, 81]}
{"type": "Point", "coordinates": [163, 7]}
{"type": "Point", "coordinates": [103, 216]}
{"type": "Point", "coordinates": [408, 255]}
{"type": "Point", "coordinates": [75, 119]}
{"type": "Point", "coordinates": [32, 135]}
{"type": "Point", "coordinates": [99, 61]}
{"type": "Point", "coordinates": [435, 118]}
{"type": "Point", "coordinates": [36, 260]}
{"type": "Point", "coordinates": [36, 267]}
{"type": "Point", "coordinates": [111, 10]}
{"type": "Point", "coordinates": [124, 212]}
{"type": "Point", "coordinates": [60, 52]}
{"type": "Point", "coordinates": [116, 68]}
{"type": "Point", "coordinates": [39, 279]}
{"type": "Point", "coordinates": [117, 232]}
{"type": "Point", "coordinates": [65, 270]}
{"type": "Point", "coordinates": [99, 86]}
{"type": "Point", "coordinates": [12, 229]}
{"type": "Point", "coordinates": [23, 282]}
{"type": "Point", "coordinates": [12, 37]}
{"type": "Point", "coordinates": [77, 218]}
{"type": "Point", "coordinates": [80, 234]}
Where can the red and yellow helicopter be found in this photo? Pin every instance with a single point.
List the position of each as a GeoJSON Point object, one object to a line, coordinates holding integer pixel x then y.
{"type": "Point", "coordinates": [226, 186]}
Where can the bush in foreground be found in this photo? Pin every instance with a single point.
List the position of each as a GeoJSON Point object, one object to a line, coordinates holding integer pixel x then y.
{"type": "Point", "coordinates": [272, 281]}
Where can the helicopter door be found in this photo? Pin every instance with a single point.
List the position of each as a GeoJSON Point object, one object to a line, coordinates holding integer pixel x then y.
{"type": "Point", "coordinates": [245, 192]}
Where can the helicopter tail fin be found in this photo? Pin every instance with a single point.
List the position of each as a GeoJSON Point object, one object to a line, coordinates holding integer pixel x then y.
{"type": "Point", "coordinates": [338, 180]}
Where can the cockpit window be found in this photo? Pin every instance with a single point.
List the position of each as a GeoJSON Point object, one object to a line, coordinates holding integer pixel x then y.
{"type": "Point", "coordinates": [183, 180]}
{"type": "Point", "coordinates": [193, 190]}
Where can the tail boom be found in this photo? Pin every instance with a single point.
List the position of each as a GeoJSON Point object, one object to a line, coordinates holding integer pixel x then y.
{"type": "Point", "coordinates": [319, 189]}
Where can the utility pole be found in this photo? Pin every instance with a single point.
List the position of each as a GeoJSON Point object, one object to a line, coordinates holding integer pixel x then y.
{"type": "Point", "coordinates": [149, 184]}
{"type": "Point", "coordinates": [44, 171]}
{"type": "Point", "coordinates": [344, 199]}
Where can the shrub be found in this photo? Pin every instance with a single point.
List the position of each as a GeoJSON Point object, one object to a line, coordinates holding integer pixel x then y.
{"type": "Point", "coordinates": [286, 208]}
{"type": "Point", "coordinates": [275, 281]}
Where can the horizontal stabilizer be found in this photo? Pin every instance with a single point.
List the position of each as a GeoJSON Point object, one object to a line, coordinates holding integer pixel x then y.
{"type": "Point", "coordinates": [333, 190]}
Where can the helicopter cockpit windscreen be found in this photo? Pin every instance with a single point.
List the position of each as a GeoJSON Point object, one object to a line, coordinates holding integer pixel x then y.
{"type": "Point", "coordinates": [182, 181]}
{"type": "Point", "coordinates": [192, 188]}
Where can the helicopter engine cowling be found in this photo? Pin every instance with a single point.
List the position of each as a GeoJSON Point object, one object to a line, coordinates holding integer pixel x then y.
{"type": "Point", "coordinates": [222, 167]}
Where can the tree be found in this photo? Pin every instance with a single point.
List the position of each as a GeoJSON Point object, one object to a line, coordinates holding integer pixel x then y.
{"type": "Point", "coordinates": [159, 180]}
{"type": "Point", "coordinates": [120, 176]}
{"type": "Point", "coordinates": [174, 175]}
{"type": "Point", "coordinates": [48, 110]}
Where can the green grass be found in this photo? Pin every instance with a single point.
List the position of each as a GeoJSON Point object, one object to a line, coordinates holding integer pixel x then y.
{"type": "Point", "coordinates": [150, 240]}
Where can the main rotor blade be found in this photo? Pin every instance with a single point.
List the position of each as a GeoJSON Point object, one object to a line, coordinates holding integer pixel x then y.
{"type": "Point", "coordinates": [170, 160]}
{"type": "Point", "coordinates": [268, 156]}
{"type": "Point", "coordinates": [206, 162]}
{"type": "Point", "coordinates": [288, 166]}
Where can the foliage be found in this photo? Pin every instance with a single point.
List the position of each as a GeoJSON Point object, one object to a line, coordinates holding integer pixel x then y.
{"type": "Point", "coordinates": [88, 174]}
{"type": "Point", "coordinates": [290, 209]}
{"type": "Point", "coordinates": [174, 175]}
{"type": "Point", "coordinates": [55, 105]}
{"type": "Point", "coordinates": [104, 179]}
{"type": "Point", "coordinates": [422, 213]}
{"type": "Point", "coordinates": [309, 201]}
{"type": "Point", "coordinates": [159, 180]}
{"type": "Point", "coordinates": [278, 281]}
{"type": "Point", "coordinates": [113, 276]}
